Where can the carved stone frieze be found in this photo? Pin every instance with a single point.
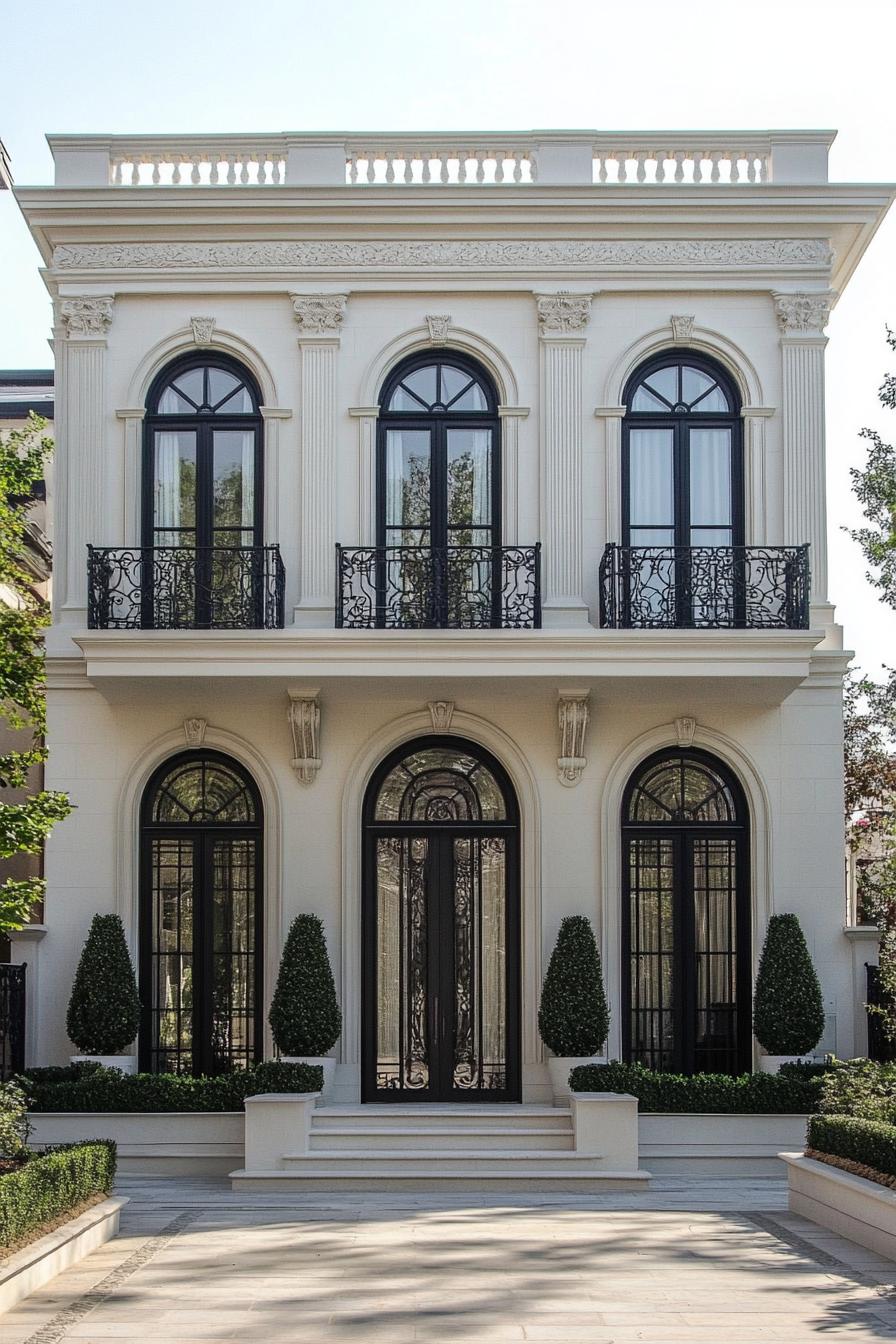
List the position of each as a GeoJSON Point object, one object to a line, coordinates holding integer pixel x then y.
{"type": "Point", "coordinates": [203, 329]}
{"type": "Point", "coordinates": [559, 314]}
{"type": "Point", "coordinates": [802, 312]}
{"type": "Point", "coordinates": [441, 712]}
{"type": "Point", "coordinates": [438, 324]}
{"type": "Point", "coordinates": [319, 314]}
{"type": "Point", "coordinates": [304, 721]}
{"type": "Point", "coordinates": [685, 728]}
{"type": "Point", "coordinates": [472, 254]}
{"type": "Point", "coordinates": [194, 731]}
{"type": "Point", "coordinates": [86, 315]}
{"type": "Point", "coordinates": [572, 720]}
{"type": "Point", "coordinates": [682, 328]}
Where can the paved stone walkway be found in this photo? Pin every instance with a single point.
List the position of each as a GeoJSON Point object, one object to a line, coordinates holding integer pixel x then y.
{"type": "Point", "coordinates": [692, 1260]}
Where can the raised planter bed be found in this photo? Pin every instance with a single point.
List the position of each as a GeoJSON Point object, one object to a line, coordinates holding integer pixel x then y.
{"type": "Point", "coordinates": [854, 1207]}
{"type": "Point", "coordinates": [26, 1270]}
{"type": "Point", "coordinates": [208, 1143]}
{"type": "Point", "coordinates": [718, 1143]}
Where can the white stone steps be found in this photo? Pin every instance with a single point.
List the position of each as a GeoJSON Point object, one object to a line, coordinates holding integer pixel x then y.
{"type": "Point", "coordinates": [418, 1179]}
{"type": "Point", "coordinates": [457, 1118]}
{"type": "Point", "coordinates": [437, 1138]}
{"type": "Point", "coordinates": [467, 1160]}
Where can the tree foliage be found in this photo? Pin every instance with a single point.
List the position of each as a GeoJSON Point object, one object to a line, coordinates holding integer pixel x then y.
{"type": "Point", "coordinates": [24, 824]}
{"type": "Point", "coordinates": [573, 1018]}
{"type": "Point", "coordinates": [875, 488]}
{"type": "Point", "coordinates": [104, 1010]}
{"type": "Point", "coordinates": [869, 753]}
{"type": "Point", "coordinates": [305, 1017]}
{"type": "Point", "coordinates": [788, 1010]}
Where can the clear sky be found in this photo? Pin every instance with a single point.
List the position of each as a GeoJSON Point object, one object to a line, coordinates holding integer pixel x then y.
{"type": "Point", "coordinates": [195, 65]}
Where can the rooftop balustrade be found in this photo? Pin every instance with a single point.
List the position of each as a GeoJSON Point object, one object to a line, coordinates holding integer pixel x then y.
{"type": "Point", "coordinates": [479, 159]}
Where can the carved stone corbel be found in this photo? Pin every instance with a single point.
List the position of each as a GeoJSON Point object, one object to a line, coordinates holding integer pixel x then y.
{"type": "Point", "coordinates": [304, 720]}
{"type": "Point", "coordinates": [319, 314]}
{"type": "Point", "coordinates": [682, 328]}
{"type": "Point", "coordinates": [87, 315]}
{"type": "Point", "coordinates": [441, 713]}
{"type": "Point", "coordinates": [194, 731]}
{"type": "Point", "coordinates": [572, 720]}
{"type": "Point", "coordinates": [203, 330]}
{"type": "Point", "coordinates": [685, 728]}
{"type": "Point", "coordinates": [438, 324]}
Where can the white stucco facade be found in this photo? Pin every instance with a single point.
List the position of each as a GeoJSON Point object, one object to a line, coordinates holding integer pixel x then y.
{"type": "Point", "coordinates": [319, 282]}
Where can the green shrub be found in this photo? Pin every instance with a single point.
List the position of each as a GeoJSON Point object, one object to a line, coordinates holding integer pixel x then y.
{"type": "Point", "coordinates": [13, 1119]}
{"type": "Point", "coordinates": [305, 1016]}
{"type": "Point", "coordinates": [62, 1073]}
{"type": "Point", "coordinates": [749, 1094]}
{"type": "Point", "coordinates": [111, 1090]}
{"type": "Point", "coordinates": [861, 1088]}
{"type": "Point", "coordinates": [788, 1011]}
{"type": "Point", "coordinates": [104, 1010]}
{"type": "Point", "coordinates": [870, 1142]}
{"type": "Point", "coordinates": [799, 1068]}
{"type": "Point", "coordinates": [52, 1184]}
{"type": "Point", "coordinates": [573, 1018]}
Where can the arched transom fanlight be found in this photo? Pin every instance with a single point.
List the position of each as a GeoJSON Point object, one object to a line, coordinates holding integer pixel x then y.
{"type": "Point", "coordinates": [205, 389]}
{"type": "Point", "coordinates": [439, 387]}
{"type": "Point", "coordinates": [203, 790]}
{"type": "Point", "coordinates": [440, 784]}
{"type": "Point", "coordinates": [680, 388]}
{"type": "Point", "coordinates": [680, 789]}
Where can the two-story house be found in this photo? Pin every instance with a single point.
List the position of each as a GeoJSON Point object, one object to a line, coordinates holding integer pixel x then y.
{"type": "Point", "coordinates": [440, 548]}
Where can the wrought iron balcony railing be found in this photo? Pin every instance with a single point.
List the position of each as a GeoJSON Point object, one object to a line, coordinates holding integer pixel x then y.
{"type": "Point", "coordinates": [438, 587]}
{"type": "Point", "coordinates": [185, 588]}
{"type": "Point", "coordinates": [705, 587]}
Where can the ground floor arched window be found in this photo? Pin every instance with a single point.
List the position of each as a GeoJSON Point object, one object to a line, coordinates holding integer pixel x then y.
{"type": "Point", "coordinates": [441, 927]}
{"type": "Point", "coordinates": [686, 916]}
{"type": "Point", "coordinates": [200, 917]}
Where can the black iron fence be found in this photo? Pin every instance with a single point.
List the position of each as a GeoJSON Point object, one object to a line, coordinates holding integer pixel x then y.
{"type": "Point", "coordinates": [438, 587]}
{"type": "Point", "coordinates": [705, 587]}
{"type": "Point", "coordinates": [185, 588]}
{"type": "Point", "coordinates": [12, 1019]}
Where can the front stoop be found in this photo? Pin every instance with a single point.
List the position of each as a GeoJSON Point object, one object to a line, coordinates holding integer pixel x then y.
{"type": "Point", "coordinates": [428, 1148]}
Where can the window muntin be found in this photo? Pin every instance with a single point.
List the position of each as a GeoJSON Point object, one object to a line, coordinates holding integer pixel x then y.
{"type": "Point", "coordinates": [681, 789]}
{"type": "Point", "coordinates": [203, 790]}
{"type": "Point", "coordinates": [440, 387]}
{"type": "Point", "coordinates": [440, 784]}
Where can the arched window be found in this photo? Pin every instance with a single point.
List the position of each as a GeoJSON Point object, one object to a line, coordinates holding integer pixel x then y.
{"type": "Point", "coordinates": [441, 970]}
{"type": "Point", "coordinates": [438, 492]}
{"type": "Point", "coordinates": [200, 917]}
{"type": "Point", "coordinates": [682, 459]}
{"type": "Point", "coordinates": [686, 916]}
{"type": "Point", "coordinates": [202, 456]}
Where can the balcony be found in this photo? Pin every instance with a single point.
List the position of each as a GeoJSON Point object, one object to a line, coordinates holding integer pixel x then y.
{"type": "Point", "coordinates": [704, 587]}
{"type": "Point", "coordinates": [438, 588]}
{"type": "Point", "coordinates": [185, 588]}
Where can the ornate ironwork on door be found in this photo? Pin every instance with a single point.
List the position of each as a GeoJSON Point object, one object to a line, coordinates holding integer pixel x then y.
{"type": "Point", "coordinates": [441, 927]}
{"type": "Point", "coordinates": [686, 917]}
{"type": "Point", "coordinates": [12, 1019]}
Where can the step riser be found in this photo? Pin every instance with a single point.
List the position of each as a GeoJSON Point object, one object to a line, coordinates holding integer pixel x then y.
{"type": "Point", "coordinates": [396, 1124]}
{"type": "Point", "coordinates": [386, 1165]}
{"type": "Point", "coordinates": [483, 1184]}
{"type": "Point", "coordinates": [385, 1141]}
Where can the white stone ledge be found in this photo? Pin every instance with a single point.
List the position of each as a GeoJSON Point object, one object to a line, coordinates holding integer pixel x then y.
{"type": "Point", "coordinates": [849, 1205]}
{"type": "Point", "coordinates": [27, 1270]}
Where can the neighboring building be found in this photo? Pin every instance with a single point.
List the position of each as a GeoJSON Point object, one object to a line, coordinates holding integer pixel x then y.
{"type": "Point", "coordinates": [560, 397]}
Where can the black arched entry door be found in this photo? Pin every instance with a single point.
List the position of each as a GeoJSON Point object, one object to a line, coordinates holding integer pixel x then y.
{"type": "Point", "coordinates": [440, 930]}
{"type": "Point", "coordinates": [686, 916]}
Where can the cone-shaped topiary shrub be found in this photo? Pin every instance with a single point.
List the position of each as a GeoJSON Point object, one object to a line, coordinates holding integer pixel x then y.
{"type": "Point", "coordinates": [104, 1010]}
{"type": "Point", "coordinates": [573, 1018]}
{"type": "Point", "coordinates": [305, 1016]}
{"type": "Point", "coordinates": [788, 1011]}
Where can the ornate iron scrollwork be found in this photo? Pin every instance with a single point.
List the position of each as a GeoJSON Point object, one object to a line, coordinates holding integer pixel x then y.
{"type": "Point", "coordinates": [185, 588]}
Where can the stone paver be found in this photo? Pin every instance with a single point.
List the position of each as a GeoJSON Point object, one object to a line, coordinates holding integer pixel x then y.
{"type": "Point", "coordinates": [691, 1260]}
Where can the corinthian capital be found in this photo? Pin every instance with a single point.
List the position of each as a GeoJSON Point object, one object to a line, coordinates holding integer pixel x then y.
{"type": "Point", "coordinates": [319, 314]}
{"type": "Point", "coordinates": [560, 314]}
{"type": "Point", "coordinates": [802, 312]}
{"type": "Point", "coordinates": [86, 315]}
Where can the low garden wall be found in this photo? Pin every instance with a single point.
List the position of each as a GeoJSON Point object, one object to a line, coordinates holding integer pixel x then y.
{"type": "Point", "coordinates": [171, 1143]}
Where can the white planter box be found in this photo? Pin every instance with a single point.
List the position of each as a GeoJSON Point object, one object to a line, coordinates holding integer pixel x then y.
{"type": "Point", "coordinates": [126, 1063]}
{"type": "Point", "coordinates": [772, 1063]}
{"type": "Point", "coordinates": [560, 1067]}
{"type": "Point", "coordinates": [718, 1144]}
{"type": "Point", "coordinates": [33, 1266]}
{"type": "Point", "coordinates": [849, 1205]}
{"type": "Point", "coordinates": [161, 1142]}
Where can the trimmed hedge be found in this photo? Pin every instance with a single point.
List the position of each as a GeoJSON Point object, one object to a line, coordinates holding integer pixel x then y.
{"type": "Point", "coordinates": [869, 1142]}
{"type": "Point", "coordinates": [52, 1184]}
{"type": "Point", "coordinates": [573, 1017]}
{"type": "Point", "coordinates": [788, 1010]}
{"type": "Point", "coordinates": [749, 1094]}
{"type": "Point", "coordinates": [110, 1090]}
{"type": "Point", "coordinates": [861, 1088]}
{"type": "Point", "coordinates": [305, 1017]}
{"type": "Point", "coordinates": [104, 1010]}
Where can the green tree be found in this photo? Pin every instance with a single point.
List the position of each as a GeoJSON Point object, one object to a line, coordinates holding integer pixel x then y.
{"type": "Point", "coordinates": [104, 1009]}
{"type": "Point", "coordinates": [24, 824]}
{"type": "Point", "coordinates": [788, 1010]}
{"type": "Point", "coordinates": [875, 488]}
{"type": "Point", "coordinates": [869, 754]}
{"type": "Point", "coordinates": [573, 1017]}
{"type": "Point", "coordinates": [305, 1017]}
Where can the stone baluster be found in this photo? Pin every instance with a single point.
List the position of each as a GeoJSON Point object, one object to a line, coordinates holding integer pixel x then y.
{"type": "Point", "coordinates": [563, 319]}
{"type": "Point", "coordinates": [320, 318]}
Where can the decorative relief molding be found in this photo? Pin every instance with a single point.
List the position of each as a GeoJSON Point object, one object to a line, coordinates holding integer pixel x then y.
{"type": "Point", "coordinates": [303, 715]}
{"type": "Point", "coordinates": [802, 312]}
{"type": "Point", "coordinates": [572, 720]}
{"type": "Point", "coordinates": [438, 324]}
{"type": "Point", "coordinates": [563, 313]}
{"type": "Point", "coordinates": [682, 328]}
{"type": "Point", "coordinates": [203, 330]}
{"type": "Point", "coordinates": [319, 314]}
{"type": "Point", "coordinates": [194, 731]}
{"type": "Point", "coordinates": [685, 728]}
{"type": "Point", "coordinates": [489, 254]}
{"type": "Point", "coordinates": [441, 712]}
{"type": "Point", "coordinates": [86, 315]}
